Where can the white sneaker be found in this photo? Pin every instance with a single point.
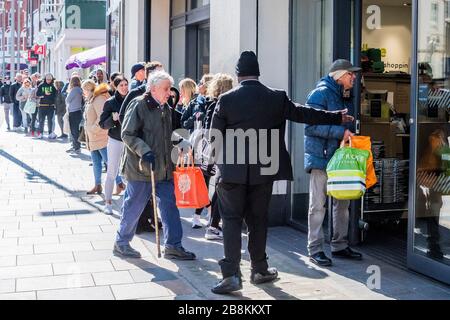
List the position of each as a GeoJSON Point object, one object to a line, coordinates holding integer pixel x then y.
{"type": "Point", "coordinates": [40, 136]}
{"type": "Point", "coordinates": [108, 210]}
{"type": "Point", "coordinates": [196, 223]}
{"type": "Point", "coordinates": [52, 136]}
{"type": "Point", "coordinates": [213, 234]}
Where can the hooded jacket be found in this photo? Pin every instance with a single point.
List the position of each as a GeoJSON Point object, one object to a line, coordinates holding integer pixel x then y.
{"type": "Point", "coordinates": [322, 141]}
{"type": "Point", "coordinates": [96, 136]}
{"type": "Point", "coordinates": [48, 93]}
{"type": "Point", "coordinates": [106, 120]}
{"type": "Point", "coordinates": [4, 94]}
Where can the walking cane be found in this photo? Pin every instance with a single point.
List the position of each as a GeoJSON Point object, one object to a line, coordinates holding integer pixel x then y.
{"type": "Point", "coordinates": [155, 213]}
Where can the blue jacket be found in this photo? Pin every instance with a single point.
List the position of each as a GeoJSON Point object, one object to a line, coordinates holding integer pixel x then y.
{"type": "Point", "coordinates": [321, 142]}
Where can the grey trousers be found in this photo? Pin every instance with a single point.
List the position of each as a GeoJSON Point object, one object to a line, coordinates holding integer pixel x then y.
{"type": "Point", "coordinates": [7, 107]}
{"type": "Point", "coordinates": [317, 210]}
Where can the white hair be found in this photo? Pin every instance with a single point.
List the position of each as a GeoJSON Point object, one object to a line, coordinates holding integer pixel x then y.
{"type": "Point", "coordinates": [157, 77]}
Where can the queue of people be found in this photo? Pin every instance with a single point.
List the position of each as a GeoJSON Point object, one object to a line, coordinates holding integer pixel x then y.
{"type": "Point", "coordinates": [130, 127]}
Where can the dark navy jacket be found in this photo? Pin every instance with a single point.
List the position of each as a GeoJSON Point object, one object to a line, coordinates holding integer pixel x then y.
{"type": "Point", "coordinates": [321, 142]}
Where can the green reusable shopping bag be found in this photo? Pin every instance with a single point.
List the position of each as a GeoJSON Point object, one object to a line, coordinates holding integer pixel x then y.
{"type": "Point", "coordinates": [347, 174]}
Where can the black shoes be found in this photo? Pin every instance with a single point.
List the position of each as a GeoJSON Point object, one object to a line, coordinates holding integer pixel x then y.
{"type": "Point", "coordinates": [321, 260]}
{"type": "Point", "coordinates": [348, 254]}
{"type": "Point", "coordinates": [228, 285]}
{"type": "Point", "coordinates": [234, 283]}
{"type": "Point", "coordinates": [264, 277]}
{"type": "Point", "coordinates": [178, 254]}
{"type": "Point", "coordinates": [126, 252]}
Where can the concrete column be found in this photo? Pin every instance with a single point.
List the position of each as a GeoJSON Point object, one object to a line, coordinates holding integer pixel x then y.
{"type": "Point", "coordinates": [160, 32]}
{"type": "Point", "coordinates": [233, 30]}
{"type": "Point", "coordinates": [134, 29]}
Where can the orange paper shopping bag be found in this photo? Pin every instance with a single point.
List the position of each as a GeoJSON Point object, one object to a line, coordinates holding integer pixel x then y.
{"type": "Point", "coordinates": [365, 143]}
{"type": "Point", "coordinates": [191, 191]}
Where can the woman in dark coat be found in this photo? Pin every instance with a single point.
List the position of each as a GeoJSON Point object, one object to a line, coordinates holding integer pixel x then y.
{"type": "Point", "coordinates": [109, 120]}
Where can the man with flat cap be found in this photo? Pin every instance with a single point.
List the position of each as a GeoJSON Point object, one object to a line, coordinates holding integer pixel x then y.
{"type": "Point", "coordinates": [245, 177]}
{"type": "Point", "coordinates": [321, 142]}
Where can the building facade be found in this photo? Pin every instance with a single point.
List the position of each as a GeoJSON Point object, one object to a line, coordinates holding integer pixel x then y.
{"type": "Point", "coordinates": [14, 37]}
{"type": "Point", "coordinates": [401, 100]}
{"type": "Point", "coordinates": [79, 25]}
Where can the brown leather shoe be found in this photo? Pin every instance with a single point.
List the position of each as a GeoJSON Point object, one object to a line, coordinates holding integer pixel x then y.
{"type": "Point", "coordinates": [119, 189]}
{"type": "Point", "coordinates": [97, 190]}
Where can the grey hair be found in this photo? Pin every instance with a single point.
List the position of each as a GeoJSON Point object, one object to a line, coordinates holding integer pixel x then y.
{"type": "Point", "coordinates": [157, 77]}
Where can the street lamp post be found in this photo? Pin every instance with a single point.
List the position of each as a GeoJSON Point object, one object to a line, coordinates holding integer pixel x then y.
{"type": "Point", "coordinates": [12, 59]}
{"type": "Point", "coordinates": [2, 20]}
{"type": "Point", "coordinates": [19, 33]}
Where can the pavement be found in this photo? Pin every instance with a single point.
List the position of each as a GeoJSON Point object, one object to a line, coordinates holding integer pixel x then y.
{"type": "Point", "coordinates": [56, 244]}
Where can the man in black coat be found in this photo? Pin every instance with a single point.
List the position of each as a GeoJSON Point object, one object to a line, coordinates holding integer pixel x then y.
{"type": "Point", "coordinates": [17, 115]}
{"type": "Point", "coordinates": [255, 116]}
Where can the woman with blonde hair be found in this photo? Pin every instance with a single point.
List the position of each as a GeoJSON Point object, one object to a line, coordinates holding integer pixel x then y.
{"type": "Point", "coordinates": [188, 89]}
{"type": "Point", "coordinates": [222, 83]}
{"type": "Point", "coordinates": [22, 96]}
{"type": "Point", "coordinates": [74, 103]}
{"type": "Point", "coordinates": [196, 110]}
{"type": "Point", "coordinates": [96, 137]}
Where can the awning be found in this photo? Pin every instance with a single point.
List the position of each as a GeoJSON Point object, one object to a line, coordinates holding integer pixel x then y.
{"type": "Point", "coordinates": [87, 58]}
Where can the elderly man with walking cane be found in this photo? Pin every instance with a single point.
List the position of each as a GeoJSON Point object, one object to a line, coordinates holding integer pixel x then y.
{"type": "Point", "coordinates": [149, 141]}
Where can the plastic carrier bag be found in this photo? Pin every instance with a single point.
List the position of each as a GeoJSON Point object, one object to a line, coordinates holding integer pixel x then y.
{"type": "Point", "coordinates": [365, 143]}
{"type": "Point", "coordinates": [347, 172]}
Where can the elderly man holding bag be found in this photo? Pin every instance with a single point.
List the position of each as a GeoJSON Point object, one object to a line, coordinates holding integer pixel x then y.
{"type": "Point", "coordinates": [321, 143]}
{"type": "Point", "coordinates": [149, 141]}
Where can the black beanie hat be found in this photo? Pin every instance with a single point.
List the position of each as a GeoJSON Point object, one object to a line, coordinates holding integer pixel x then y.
{"type": "Point", "coordinates": [248, 65]}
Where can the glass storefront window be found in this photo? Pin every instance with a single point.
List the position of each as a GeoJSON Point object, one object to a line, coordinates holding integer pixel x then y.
{"type": "Point", "coordinates": [178, 56]}
{"type": "Point", "coordinates": [178, 7]}
{"type": "Point", "coordinates": [311, 57]}
{"type": "Point", "coordinates": [193, 4]}
{"type": "Point", "coordinates": [115, 31]}
{"type": "Point", "coordinates": [203, 51]}
{"type": "Point", "coordinates": [432, 205]}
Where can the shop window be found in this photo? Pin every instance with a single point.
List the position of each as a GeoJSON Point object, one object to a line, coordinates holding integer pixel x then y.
{"type": "Point", "coordinates": [190, 39]}
{"type": "Point", "coordinates": [203, 51]}
{"type": "Point", "coordinates": [432, 136]}
{"type": "Point", "coordinates": [115, 36]}
{"type": "Point", "coordinates": [178, 7]}
{"type": "Point", "coordinates": [434, 13]}
{"type": "Point", "coordinates": [312, 54]}
{"type": "Point", "coordinates": [194, 4]}
{"type": "Point", "coordinates": [178, 54]}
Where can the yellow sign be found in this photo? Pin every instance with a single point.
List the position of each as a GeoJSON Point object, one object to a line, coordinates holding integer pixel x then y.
{"type": "Point", "coordinates": [75, 50]}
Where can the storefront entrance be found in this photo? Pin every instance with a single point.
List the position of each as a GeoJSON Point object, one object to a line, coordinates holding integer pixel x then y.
{"type": "Point", "coordinates": [403, 104]}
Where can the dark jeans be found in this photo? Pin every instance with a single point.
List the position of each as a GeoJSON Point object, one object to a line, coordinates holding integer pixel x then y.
{"type": "Point", "coordinates": [75, 120]}
{"type": "Point", "coordinates": [238, 203]}
{"type": "Point", "coordinates": [33, 120]}
{"type": "Point", "coordinates": [17, 116]}
{"type": "Point", "coordinates": [49, 113]}
{"type": "Point", "coordinates": [136, 198]}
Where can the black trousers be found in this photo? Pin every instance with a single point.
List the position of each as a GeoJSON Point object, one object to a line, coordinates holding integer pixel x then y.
{"type": "Point", "coordinates": [33, 119]}
{"type": "Point", "coordinates": [74, 121]}
{"type": "Point", "coordinates": [17, 116]}
{"type": "Point", "coordinates": [49, 113]}
{"type": "Point", "coordinates": [238, 203]}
